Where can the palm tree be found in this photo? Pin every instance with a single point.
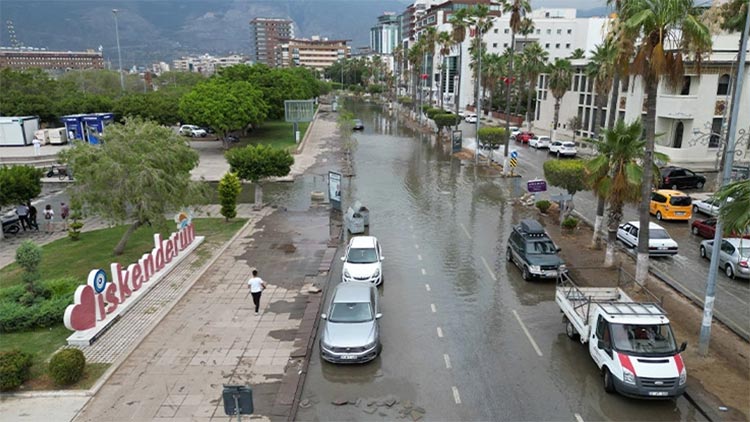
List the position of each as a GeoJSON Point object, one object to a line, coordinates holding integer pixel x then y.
{"type": "Point", "coordinates": [415, 58]}
{"type": "Point", "coordinates": [578, 53]}
{"type": "Point", "coordinates": [535, 61]}
{"type": "Point", "coordinates": [458, 34]}
{"type": "Point", "coordinates": [445, 45]}
{"type": "Point", "coordinates": [615, 174]}
{"type": "Point", "coordinates": [517, 10]}
{"type": "Point", "coordinates": [429, 35]}
{"type": "Point", "coordinates": [670, 31]}
{"type": "Point", "coordinates": [494, 66]}
{"type": "Point", "coordinates": [735, 214]}
{"type": "Point", "coordinates": [560, 75]}
{"type": "Point", "coordinates": [526, 28]}
{"type": "Point", "coordinates": [479, 17]}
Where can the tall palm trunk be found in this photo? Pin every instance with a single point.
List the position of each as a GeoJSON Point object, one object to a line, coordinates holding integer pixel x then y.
{"type": "Point", "coordinates": [457, 87]}
{"type": "Point", "coordinates": [641, 268]}
{"type": "Point", "coordinates": [507, 93]}
{"type": "Point", "coordinates": [556, 118]}
{"type": "Point", "coordinates": [529, 115]}
{"type": "Point", "coordinates": [614, 216]}
{"type": "Point", "coordinates": [521, 85]}
{"type": "Point", "coordinates": [614, 100]}
{"type": "Point", "coordinates": [600, 203]}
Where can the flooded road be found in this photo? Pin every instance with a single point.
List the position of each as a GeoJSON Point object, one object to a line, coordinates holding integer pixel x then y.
{"type": "Point", "coordinates": [464, 337]}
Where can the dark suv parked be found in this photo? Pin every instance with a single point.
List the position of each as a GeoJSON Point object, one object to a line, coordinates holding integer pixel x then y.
{"type": "Point", "coordinates": [531, 249]}
{"type": "Point", "coordinates": [680, 178]}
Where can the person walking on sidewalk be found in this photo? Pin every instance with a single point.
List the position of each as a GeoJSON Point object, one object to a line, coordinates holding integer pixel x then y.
{"type": "Point", "coordinates": [64, 212]}
{"type": "Point", "coordinates": [49, 217]}
{"type": "Point", "coordinates": [256, 285]}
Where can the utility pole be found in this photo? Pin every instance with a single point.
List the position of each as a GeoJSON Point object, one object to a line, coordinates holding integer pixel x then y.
{"type": "Point", "coordinates": [708, 304]}
{"type": "Point", "coordinates": [479, 96]}
{"type": "Point", "coordinates": [119, 54]}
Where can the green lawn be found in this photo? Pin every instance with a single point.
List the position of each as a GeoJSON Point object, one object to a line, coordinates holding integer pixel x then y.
{"type": "Point", "coordinates": [63, 258]}
{"type": "Point", "coordinates": [277, 133]}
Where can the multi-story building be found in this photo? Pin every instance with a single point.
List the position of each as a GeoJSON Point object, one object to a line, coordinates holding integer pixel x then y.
{"type": "Point", "coordinates": [316, 53]}
{"type": "Point", "coordinates": [385, 35]}
{"type": "Point", "coordinates": [207, 64]}
{"type": "Point", "coordinates": [56, 61]}
{"type": "Point", "coordinates": [691, 119]}
{"type": "Point", "coordinates": [266, 35]}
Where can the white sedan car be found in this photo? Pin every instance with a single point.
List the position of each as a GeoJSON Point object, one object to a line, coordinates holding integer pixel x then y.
{"type": "Point", "coordinates": [362, 261]}
{"type": "Point", "coordinates": [540, 142]}
{"type": "Point", "coordinates": [659, 241]}
{"type": "Point", "coordinates": [709, 206]}
{"type": "Point", "coordinates": [192, 130]}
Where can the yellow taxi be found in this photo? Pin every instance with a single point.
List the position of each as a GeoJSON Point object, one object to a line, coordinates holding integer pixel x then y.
{"type": "Point", "coordinates": [667, 204]}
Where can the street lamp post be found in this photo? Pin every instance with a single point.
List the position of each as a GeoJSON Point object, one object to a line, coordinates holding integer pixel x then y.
{"type": "Point", "coordinates": [119, 54]}
{"type": "Point", "coordinates": [479, 96]}
{"type": "Point", "coordinates": [708, 304]}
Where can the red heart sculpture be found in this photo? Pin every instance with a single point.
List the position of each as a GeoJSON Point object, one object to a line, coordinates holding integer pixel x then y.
{"type": "Point", "coordinates": [81, 315]}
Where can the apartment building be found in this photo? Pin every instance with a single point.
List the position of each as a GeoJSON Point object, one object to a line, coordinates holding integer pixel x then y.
{"type": "Point", "coordinates": [266, 35]}
{"type": "Point", "coordinates": [691, 119]}
{"type": "Point", "coordinates": [207, 64]}
{"type": "Point", "coordinates": [56, 61]}
{"type": "Point", "coordinates": [315, 53]}
{"type": "Point", "coordinates": [385, 35]}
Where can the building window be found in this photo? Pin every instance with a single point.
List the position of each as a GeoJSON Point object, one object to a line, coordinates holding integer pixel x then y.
{"type": "Point", "coordinates": [505, 45]}
{"type": "Point", "coordinates": [559, 31]}
{"type": "Point", "coordinates": [546, 46]}
{"type": "Point", "coordinates": [538, 31]}
{"type": "Point", "coordinates": [567, 45]}
{"type": "Point", "coordinates": [713, 141]}
{"type": "Point", "coordinates": [678, 130]}
{"type": "Point", "coordinates": [723, 88]}
{"type": "Point", "coordinates": [495, 31]}
{"type": "Point", "coordinates": [494, 45]}
{"type": "Point", "coordinates": [685, 85]}
{"type": "Point", "coordinates": [557, 45]}
{"type": "Point", "coordinates": [506, 30]}
{"type": "Point", "coordinates": [549, 31]}
{"type": "Point", "coordinates": [625, 83]}
{"type": "Point", "coordinates": [570, 31]}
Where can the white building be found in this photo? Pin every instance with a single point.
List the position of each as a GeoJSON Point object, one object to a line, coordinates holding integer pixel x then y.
{"type": "Point", "coordinates": [384, 36]}
{"type": "Point", "coordinates": [207, 64]}
{"type": "Point", "coordinates": [691, 120]}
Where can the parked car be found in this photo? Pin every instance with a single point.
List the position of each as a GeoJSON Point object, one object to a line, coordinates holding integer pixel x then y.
{"type": "Point", "coordinates": [524, 137]}
{"type": "Point", "coordinates": [734, 256]}
{"type": "Point", "coordinates": [533, 252]}
{"type": "Point", "coordinates": [709, 206]}
{"type": "Point", "coordinates": [680, 178]}
{"type": "Point", "coordinates": [707, 229]}
{"type": "Point", "coordinates": [351, 331]}
{"type": "Point", "coordinates": [540, 142]}
{"type": "Point", "coordinates": [669, 204]}
{"type": "Point", "coordinates": [471, 118]}
{"type": "Point", "coordinates": [566, 149]}
{"type": "Point", "coordinates": [193, 130]}
{"type": "Point", "coordinates": [362, 261]}
{"type": "Point", "coordinates": [358, 125]}
{"type": "Point", "coordinates": [659, 241]}
{"type": "Point", "coordinates": [514, 132]}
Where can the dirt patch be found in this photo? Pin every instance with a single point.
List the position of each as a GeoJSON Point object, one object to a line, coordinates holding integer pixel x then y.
{"type": "Point", "coordinates": [724, 374]}
{"type": "Point", "coordinates": [288, 248]}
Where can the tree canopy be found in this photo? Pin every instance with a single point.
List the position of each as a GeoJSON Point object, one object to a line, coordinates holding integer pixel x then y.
{"type": "Point", "coordinates": [19, 184]}
{"type": "Point", "coordinates": [140, 172]}
{"type": "Point", "coordinates": [257, 162]}
{"type": "Point", "coordinates": [566, 174]}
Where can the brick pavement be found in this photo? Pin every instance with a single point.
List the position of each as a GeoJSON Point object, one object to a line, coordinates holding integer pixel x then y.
{"type": "Point", "coordinates": [211, 336]}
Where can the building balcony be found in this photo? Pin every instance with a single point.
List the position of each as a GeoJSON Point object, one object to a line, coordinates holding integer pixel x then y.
{"type": "Point", "coordinates": [677, 106]}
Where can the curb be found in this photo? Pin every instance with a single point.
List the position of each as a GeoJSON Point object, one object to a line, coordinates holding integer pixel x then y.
{"type": "Point", "coordinates": [116, 364]}
{"type": "Point", "coordinates": [302, 143]}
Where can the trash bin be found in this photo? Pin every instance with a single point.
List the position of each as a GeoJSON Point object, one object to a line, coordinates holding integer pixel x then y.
{"type": "Point", "coordinates": [363, 211]}
{"type": "Point", "coordinates": [354, 221]}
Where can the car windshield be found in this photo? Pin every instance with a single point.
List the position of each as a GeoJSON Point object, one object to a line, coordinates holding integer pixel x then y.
{"type": "Point", "coordinates": [350, 312]}
{"type": "Point", "coordinates": [362, 256]}
{"type": "Point", "coordinates": [680, 201]}
{"type": "Point", "coordinates": [541, 247]}
{"type": "Point", "coordinates": [644, 339]}
{"type": "Point", "coordinates": [659, 234]}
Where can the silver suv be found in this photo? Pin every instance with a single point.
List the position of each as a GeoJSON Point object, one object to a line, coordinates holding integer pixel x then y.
{"type": "Point", "coordinates": [351, 331]}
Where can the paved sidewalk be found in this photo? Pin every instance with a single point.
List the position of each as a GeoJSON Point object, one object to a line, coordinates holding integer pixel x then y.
{"type": "Point", "coordinates": [212, 337]}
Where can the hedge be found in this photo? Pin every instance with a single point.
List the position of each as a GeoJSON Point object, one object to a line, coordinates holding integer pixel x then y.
{"type": "Point", "coordinates": [46, 310]}
{"type": "Point", "coordinates": [66, 366]}
{"type": "Point", "coordinates": [14, 369]}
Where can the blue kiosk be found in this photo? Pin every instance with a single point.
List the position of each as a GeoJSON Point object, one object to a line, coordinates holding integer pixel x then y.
{"type": "Point", "coordinates": [88, 127]}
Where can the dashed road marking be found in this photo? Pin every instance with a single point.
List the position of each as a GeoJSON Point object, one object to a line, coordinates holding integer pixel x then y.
{"type": "Point", "coordinates": [419, 257]}
{"type": "Point", "coordinates": [456, 396]}
{"type": "Point", "coordinates": [424, 272]}
{"type": "Point", "coordinates": [416, 246]}
{"type": "Point", "coordinates": [465, 231]}
{"type": "Point", "coordinates": [533, 343]}
{"type": "Point", "coordinates": [578, 417]}
{"type": "Point", "coordinates": [489, 270]}
{"type": "Point", "coordinates": [432, 306]}
{"type": "Point", "coordinates": [447, 361]}
{"type": "Point", "coordinates": [440, 332]}
{"type": "Point", "coordinates": [427, 287]}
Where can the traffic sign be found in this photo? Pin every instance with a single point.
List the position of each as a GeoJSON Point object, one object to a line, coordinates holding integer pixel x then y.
{"type": "Point", "coordinates": [536, 185]}
{"type": "Point", "coordinates": [513, 162]}
{"type": "Point", "coordinates": [514, 154]}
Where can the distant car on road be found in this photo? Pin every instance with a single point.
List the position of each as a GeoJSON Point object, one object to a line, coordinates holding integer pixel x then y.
{"type": "Point", "coordinates": [362, 260]}
{"type": "Point", "coordinates": [524, 137]}
{"type": "Point", "coordinates": [351, 331]}
{"type": "Point", "coordinates": [358, 125]}
{"type": "Point", "coordinates": [540, 142]}
{"type": "Point", "coordinates": [680, 178]}
{"type": "Point", "coordinates": [659, 242]}
{"type": "Point", "coordinates": [563, 148]}
{"type": "Point", "coordinates": [734, 257]}
{"type": "Point", "coordinates": [470, 118]}
{"type": "Point", "coordinates": [193, 130]}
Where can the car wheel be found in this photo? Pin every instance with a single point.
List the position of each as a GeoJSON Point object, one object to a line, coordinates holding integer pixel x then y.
{"type": "Point", "coordinates": [509, 255]}
{"type": "Point", "coordinates": [609, 383]}
{"type": "Point", "coordinates": [695, 230]}
{"type": "Point", "coordinates": [674, 187]}
{"type": "Point", "coordinates": [570, 330]}
{"type": "Point", "coordinates": [699, 185]}
{"type": "Point", "coordinates": [695, 209]}
{"type": "Point", "coordinates": [558, 154]}
{"type": "Point", "coordinates": [703, 252]}
{"type": "Point", "coordinates": [729, 271]}
{"type": "Point", "coordinates": [658, 215]}
{"type": "Point", "coordinates": [526, 274]}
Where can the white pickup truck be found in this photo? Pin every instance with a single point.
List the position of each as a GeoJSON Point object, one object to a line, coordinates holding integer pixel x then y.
{"type": "Point", "coordinates": [631, 342]}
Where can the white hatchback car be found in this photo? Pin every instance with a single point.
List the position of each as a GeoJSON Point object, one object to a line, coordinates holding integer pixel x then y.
{"type": "Point", "coordinates": [362, 261]}
{"type": "Point", "coordinates": [470, 118]}
{"type": "Point", "coordinates": [565, 149]}
{"type": "Point", "coordinates": [540, 142]}
{"type": "Point", "coordinates": [659, 241]}
{"type": "Point", "coordinates": [192, 130]}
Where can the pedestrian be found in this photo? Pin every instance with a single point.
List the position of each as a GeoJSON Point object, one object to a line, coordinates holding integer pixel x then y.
{"type": "Point", "coordinates": [37, 146]}
{"type": "Point", "coordinates": [22, 211]}
{"type": "Point", "coordinates": [256, 285]}
{"type": "Point", "coordinates": [64, 213]}
{"type": "Point", "coordinates": [49, 218]}
{"type": "Point", "coordinates": [32, 216]}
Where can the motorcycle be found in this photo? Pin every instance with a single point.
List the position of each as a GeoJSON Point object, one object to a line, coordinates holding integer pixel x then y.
{"type": "Point", "coordinates": [11, 225]}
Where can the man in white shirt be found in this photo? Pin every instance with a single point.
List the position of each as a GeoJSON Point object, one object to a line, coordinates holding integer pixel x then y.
{"type": "Point", "coordinates": [256, 285]}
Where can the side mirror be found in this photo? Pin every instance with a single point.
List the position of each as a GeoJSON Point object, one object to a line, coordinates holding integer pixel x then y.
{"type": "Point", "coordinates": [343, 258]}
{"type": "Point", "coordinates": [683, 346]}
{"type": "Point", "coordinates": [559, 249]}
{"type": "Point", "coordinates": [382, 258]}
{"type": "Point", "coordinates": [600, 344]}
{"type": "Point", "coordinates": [378, 315]}
{"type": "Point", "coordinates": [323, 316]}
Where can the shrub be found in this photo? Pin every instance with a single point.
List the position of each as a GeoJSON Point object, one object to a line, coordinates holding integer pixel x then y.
{"type": "Point", "coordinates": [432, 112]}
{"type": "Point", "coordinates": [229, 189]}
{"type": "Point", "coordinates": [543, 205]}
{"type": "Point", "coordinates": [14, 369]}
{"type": "Point", "coordinates": [21, 310]}
{"type": "Point", "coordinates": [66, 366]}
{"type": "Point", "coordinates": [28, 256]}
{"type": "Point", "coordinates": [491, 136]}
{"type": "Point", "coordinates": [570, 223]}
{"type": "Point", "coordinates": [74, 231]}
{"type": "Point", "coordinates": [407, 101]}
{"type": "Point", "coordinates": [61, 287]}
{"type": "Point", "coordinates": [425, 107]}
{"type": "Point", "coordinates": [444, 120]}
{"type": "Point", "coordinates": [15, 317]}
